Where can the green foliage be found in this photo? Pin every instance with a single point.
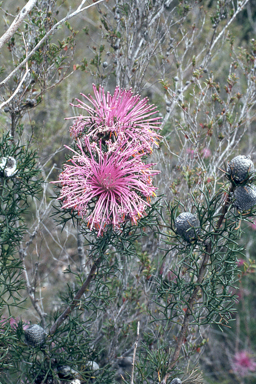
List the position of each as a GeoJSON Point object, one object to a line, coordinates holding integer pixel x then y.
{"type": "Point", "coordinates": [215, 297]}
{"type": "Point", "coordinates": [16, 192]}
{"type": "Point", "coordinates": [15, 196]}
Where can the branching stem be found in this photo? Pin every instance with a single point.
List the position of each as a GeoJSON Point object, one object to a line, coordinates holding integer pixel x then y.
{"type": "Point", "coordinates": [202, 272]}
{"type": "Point", "coordinates": [50, 32]}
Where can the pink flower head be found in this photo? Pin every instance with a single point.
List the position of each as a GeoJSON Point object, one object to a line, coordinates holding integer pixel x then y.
{"type": "Point", "coordinates": [240, 262]}
{"type": "Point", "coordinates": [243, 363]}
{"type": "Point", "coordinates": [206, 152]}
{"type": "Point", "coordinates": [108, 188]}
{"type": "Point", "coordinates": [191, 152]}
{"type": "Point", "coordinates": [13, 322]}
{"type": "Point", "coordinates": [120, 117]}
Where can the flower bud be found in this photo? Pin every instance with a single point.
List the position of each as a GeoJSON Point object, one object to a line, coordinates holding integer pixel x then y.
{"type": "Point", "coordinates": [187, 226]}
{"type": "Point", "coordinates": [245, 197]}
{"type": "Point", "coordinates": [176, 381]}
{"type": "Point", "coordinates": [240, 169]}
{"type": "Point", "coordinates": [35, 335]}
{"type": "Point", "coordinates": [8, 166]}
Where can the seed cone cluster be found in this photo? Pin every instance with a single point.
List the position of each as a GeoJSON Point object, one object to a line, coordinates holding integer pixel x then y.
{"type": "Point", "coordinates": [35, 335]}
{"type": "Point", "coordinates": [240, 171]}
{"type": "Point", "coordinates": [187, 226]}
{"type": "Point", "coordinates": [245, 197]}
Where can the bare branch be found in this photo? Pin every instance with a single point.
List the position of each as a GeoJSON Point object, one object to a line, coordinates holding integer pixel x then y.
{"type": "Point", "coordinates": [31, 288]}
{"type": "Point", "coordinates": [239, 9]}
{"type": "Point", "coordinates": [17, 22]}
{"type": "Point", "coordinates": [50, 32]}
{"type": "Point", "coordinates": [16, 90]}
{"type": "Point", "coordinates": [21, 82]}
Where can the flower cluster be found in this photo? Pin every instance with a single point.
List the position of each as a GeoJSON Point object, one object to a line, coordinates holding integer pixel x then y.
{"type": "Point", "coordinates": [116, 119]}
{"type": "Point", "coordinates": [13, 322]}
{"type": "Point", "coordinates": [107, 181]}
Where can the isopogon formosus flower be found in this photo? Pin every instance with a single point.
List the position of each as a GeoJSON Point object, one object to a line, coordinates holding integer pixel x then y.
{"type": "Point", "coordinates": [123, 116]}
{"type": "Point", "coordinates": [243, 363]}
{"type": "Point", "coordinates": [107, 188]}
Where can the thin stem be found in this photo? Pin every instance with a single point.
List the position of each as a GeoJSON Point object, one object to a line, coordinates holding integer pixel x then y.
{"type": "Point", "coordinates": [17, 22]}
{"type": "Point", "coordinates": [16, 90]}
{"type": "Point", "coordinates": [55, 26]}
{"type": "Point", "coordinates": [134, 352]}
{"type": "Point", "coordinates": [20, 84]}
{"type": "Point", "coordinates": [31, 288]}
{"type": "Point", "coordinates": [77, 297]}
{"type": "Point", "coordinates": [80, 249]}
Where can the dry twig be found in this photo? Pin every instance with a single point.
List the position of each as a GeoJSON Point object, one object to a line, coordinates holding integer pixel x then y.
{"type": "Point", "coordinates": [17, 22]}
{"type": "Point", "coordinates": [134, 352]}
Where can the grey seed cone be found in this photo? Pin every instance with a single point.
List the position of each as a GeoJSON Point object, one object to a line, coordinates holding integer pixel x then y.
{"type": "Point", "coordinates": [66, 372]}
{"type": "Point", "coordinates": [93, 365]}
{"type": "Point", "coordinates": [240, 169]}
{"type": "Point", "coordinates": [245, 197]}
{"type": "Point", "coordinates": [176, 381]}
{"type": "Point", "coordinates": [35, 335]}
{"type": "Point", "coordinates": [187, 226]}
{"type": "Point", "coordinates": [8, 166]}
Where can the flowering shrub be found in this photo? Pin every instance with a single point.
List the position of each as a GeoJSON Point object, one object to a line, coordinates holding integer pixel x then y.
{"type": "Point", "coordinates": [206, 152]}
{"type": "Point", "coordinates": [122, 293]}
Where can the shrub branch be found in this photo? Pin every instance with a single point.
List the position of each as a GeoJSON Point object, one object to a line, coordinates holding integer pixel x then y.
{"type": "Point", "coordinates": [202, 272]}
{"type": "Point", "coordinates": [77, 297]}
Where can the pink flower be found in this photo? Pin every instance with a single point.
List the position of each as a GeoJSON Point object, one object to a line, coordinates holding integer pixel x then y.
{"type": "Point", "coordinates": [240, 262]}
{"type": "Point", "coordinates": [191, 152]}
{"type": "Point", "coordinates": [120, 117]}
{"type": "Point", "coordinates": [13, 322]}
{"type": "Point", "coordinates": [206, 152]}
{"type": "Point", "coordinates": [107, 188]}
{"type": "Point", "coordinates": [243, 363]}
{"type": "Point", "coordinates": [171, 276]}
